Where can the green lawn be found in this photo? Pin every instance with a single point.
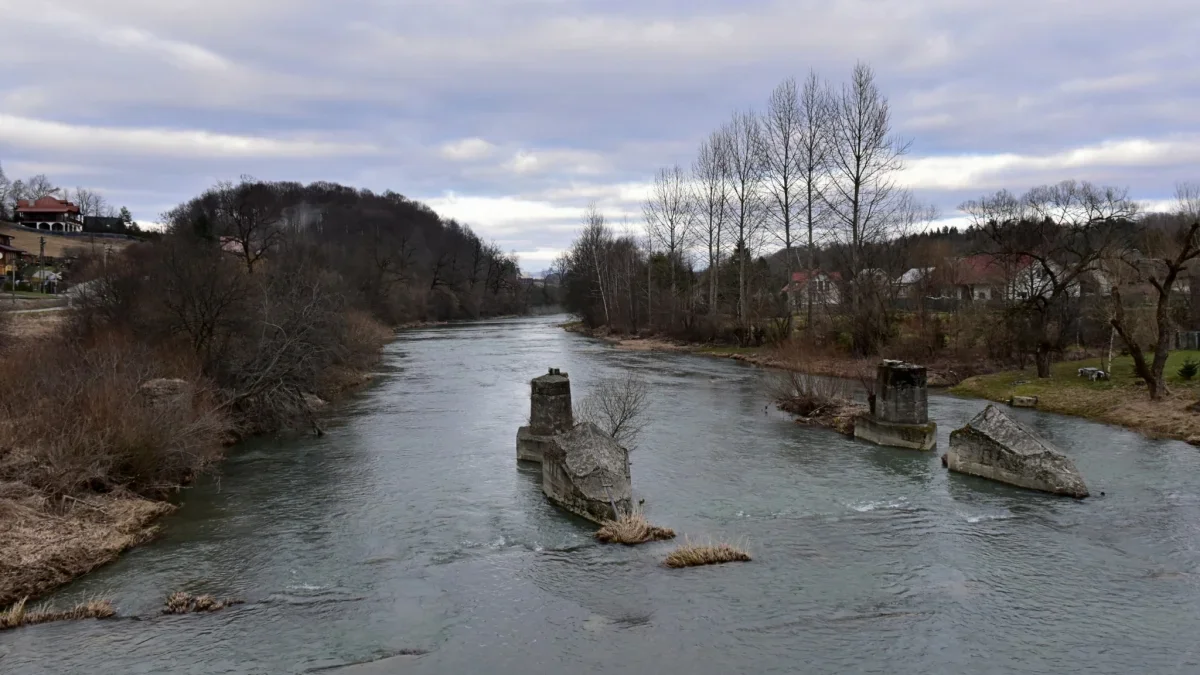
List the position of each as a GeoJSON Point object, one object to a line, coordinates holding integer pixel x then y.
{"type": "Point", "coordinates": [1122, 400]}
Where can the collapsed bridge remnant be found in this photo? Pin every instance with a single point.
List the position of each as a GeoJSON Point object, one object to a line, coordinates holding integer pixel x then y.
{"type": "Point", "coordinates": [899, 414]}
{"type": "Point", "coordinates": [584, 470]}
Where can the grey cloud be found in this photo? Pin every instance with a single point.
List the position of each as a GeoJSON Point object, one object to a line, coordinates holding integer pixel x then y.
{"type": "Point", "coordinates": [600, 94]}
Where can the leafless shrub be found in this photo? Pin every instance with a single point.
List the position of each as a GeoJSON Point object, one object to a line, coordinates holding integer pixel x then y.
{"type": "Point", "coordinates": [618, 405]}
{"type": "Point", "coordinates": [114, 436]}
{"type": "Point", "coordinates": [805, 395]}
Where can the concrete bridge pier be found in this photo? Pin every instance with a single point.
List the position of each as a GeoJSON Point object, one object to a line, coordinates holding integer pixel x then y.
{"type": "Point", "coordinates": [549, 414]}
{"type": "Point", "coordinates": [899, 414]}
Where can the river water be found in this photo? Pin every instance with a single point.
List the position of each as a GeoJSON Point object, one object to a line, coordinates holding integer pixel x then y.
{"type": "Point", "coordinates": [409, 527]}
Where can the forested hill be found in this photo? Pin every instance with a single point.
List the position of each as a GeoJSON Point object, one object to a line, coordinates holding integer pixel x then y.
{"type": "Point", "coordinates": [402, 260]}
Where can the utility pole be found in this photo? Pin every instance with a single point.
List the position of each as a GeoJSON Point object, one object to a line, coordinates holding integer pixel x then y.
{"type": "Point", "coordinates": [41, 264]}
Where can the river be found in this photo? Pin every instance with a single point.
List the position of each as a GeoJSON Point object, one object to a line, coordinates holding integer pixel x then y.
{"type": "Point", "coordinates": [408, 526]}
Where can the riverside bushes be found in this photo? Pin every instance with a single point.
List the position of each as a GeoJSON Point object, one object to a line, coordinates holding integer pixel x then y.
{"type": "Point", "coordinates": [75, 419]}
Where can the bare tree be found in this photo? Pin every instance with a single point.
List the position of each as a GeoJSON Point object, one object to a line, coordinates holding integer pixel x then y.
{"type": "Point", "coordinates": [1048, 240]}
{"type": "Point", "coordinates": [1187, 199]}
{"type": "Point", "coordinates": [1170, 248]}
{"type": "Point", "coordinates": [618, 405]}
{"type": "Point", "coordinates": [811, 164]}
{"type": "Point", "coordinates": [593, 243]}
{"type": "Point", "coordinates": [250, 214]}
{"type": "Point", "coordinates": [782, 125]}
{"type": "Point", "coordinates": [744, 175]}
{"type": "Point", "coordinates": [670, 217]}
{"type": "Point", "coordinates": [5, 194]}
{"type": "Point", "coordinates": [709, 174]}
{"type": "Point", "coordinates": [90, 203]}
{"type": "Point", "coordinates": [863, 196]}
{"type": "Point", "coordinates": [38, 186]}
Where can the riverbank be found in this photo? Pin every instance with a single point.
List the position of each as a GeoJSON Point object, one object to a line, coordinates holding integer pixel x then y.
{"type": "Point", "coordinates": [78, 490]}
{"type": "Point", "coordinates": [795, 358]}
{"type": "Point", "coordinates": [1121, 401]}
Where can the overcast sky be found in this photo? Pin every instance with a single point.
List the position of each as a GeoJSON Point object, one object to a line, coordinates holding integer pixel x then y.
{"type": "Point", "coordinates": [511, 115]}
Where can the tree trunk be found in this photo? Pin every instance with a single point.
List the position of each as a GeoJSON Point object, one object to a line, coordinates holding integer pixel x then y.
{"type": "Point", "coordinates": [1154, 385]}
{"type": "Point", "coordinates": [1042, 358]}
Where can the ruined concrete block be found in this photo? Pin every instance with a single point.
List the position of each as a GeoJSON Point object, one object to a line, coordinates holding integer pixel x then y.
{"type": "Point", "coordinates": [997, 447]}
{"type": "Point", "coordinates": [550, 404]}
{"type": "Point", "coordinates": [531, 446]}
{"type": "Point", "coordinates": [576, 467]}
{"type": "Point", "coordinates": [549, 413]}
{"type": "Point", "coordinates": [892, 434]}
{"type": "Point", "coordinates": [1023, 401]}
{"type": "Point", "coordinates": [899, 410]}
{"type": "Point", "coordinates": [901, 393]}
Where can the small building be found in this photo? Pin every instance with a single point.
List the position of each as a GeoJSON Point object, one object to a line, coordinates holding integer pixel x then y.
{"type": "Point", "coordinates": [916, 282]}
{"type": "Point", "coordinates": [821, 286]}
{"type": "Point", "coordinates": [10, 256]}
{"type": "Point", "coordinates": [48, 214]}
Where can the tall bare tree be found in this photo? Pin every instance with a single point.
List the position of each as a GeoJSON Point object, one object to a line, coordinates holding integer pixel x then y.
{"type": "Point", "coordinates": [811, 163]}
{"type": "Point", "coordinates": [670, 218]}
{"type": "Point", "coordinates": [90, 203]}
{"type": "Point", "coordinates": [744, 175]}
{"type": "Point", "coordinates": [782, 125]}
{"type": "Point", "coordinates": [1170, 247]}
{"type": "Point", "coordinates": [863, 196]}
{"type": "Point", "coordinates": [5, 193]}
{"type": "Point", "coordinates": [710, 177]}
{"type": "Point", "coordinates": [39, 186]}
{"type": "Point", "coordinates": [592, 245]}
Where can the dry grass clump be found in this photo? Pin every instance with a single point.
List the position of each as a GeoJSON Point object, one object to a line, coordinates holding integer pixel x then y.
{"type": "Point", "coordinates": [181, 602]}
{"type": "Point", "coordinates": [17, 616]}
{"type": "Point", "coordinates": [694, 555]}
{"type": "Point", "coordinates": [632, 529]}
{"type": "Point", "coordinates": [47, 542]}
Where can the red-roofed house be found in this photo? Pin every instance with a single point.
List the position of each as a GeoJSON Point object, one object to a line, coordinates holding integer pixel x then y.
{"type": "Point", "coordinates": [990, 277]}
{"type": "Point", "coordinates": [49, 214]}
{"type": "Point", "coordinates": [824, 288]}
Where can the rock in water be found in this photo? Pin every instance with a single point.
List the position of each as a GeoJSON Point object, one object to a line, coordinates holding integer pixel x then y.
{"type": "Point", "coordinates": [576, 466]}
{"type": "Point", "coordinates": [995, 446]}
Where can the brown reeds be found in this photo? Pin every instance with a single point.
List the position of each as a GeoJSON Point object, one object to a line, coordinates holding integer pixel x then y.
{"type": "Point", "coordinates": [17, 615]}
{"type": "Point", "coordinates": [632, 529]}
{"type": "Point", "coordinates": [181, 602]}
{"type": "Point", "coordinates": [694, 555]}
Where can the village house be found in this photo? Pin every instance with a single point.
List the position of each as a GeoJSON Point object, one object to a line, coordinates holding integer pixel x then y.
{"type": "Point", "coordinates": [823, 287]}
{"type": "Point", "coordinates": [987, 278]}
{"type": "Point", "coordinates": [916, 282]}
{"type": "Point", "coordinates": [48, 214]}
{"type": "Point", "coordinates": [10, 256]}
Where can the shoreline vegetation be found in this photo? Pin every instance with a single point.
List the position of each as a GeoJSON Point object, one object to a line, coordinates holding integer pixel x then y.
{"type": "Point", "coordinates": [239, 320]}
{"type": "Point", "coordinates": [1120, 401]}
